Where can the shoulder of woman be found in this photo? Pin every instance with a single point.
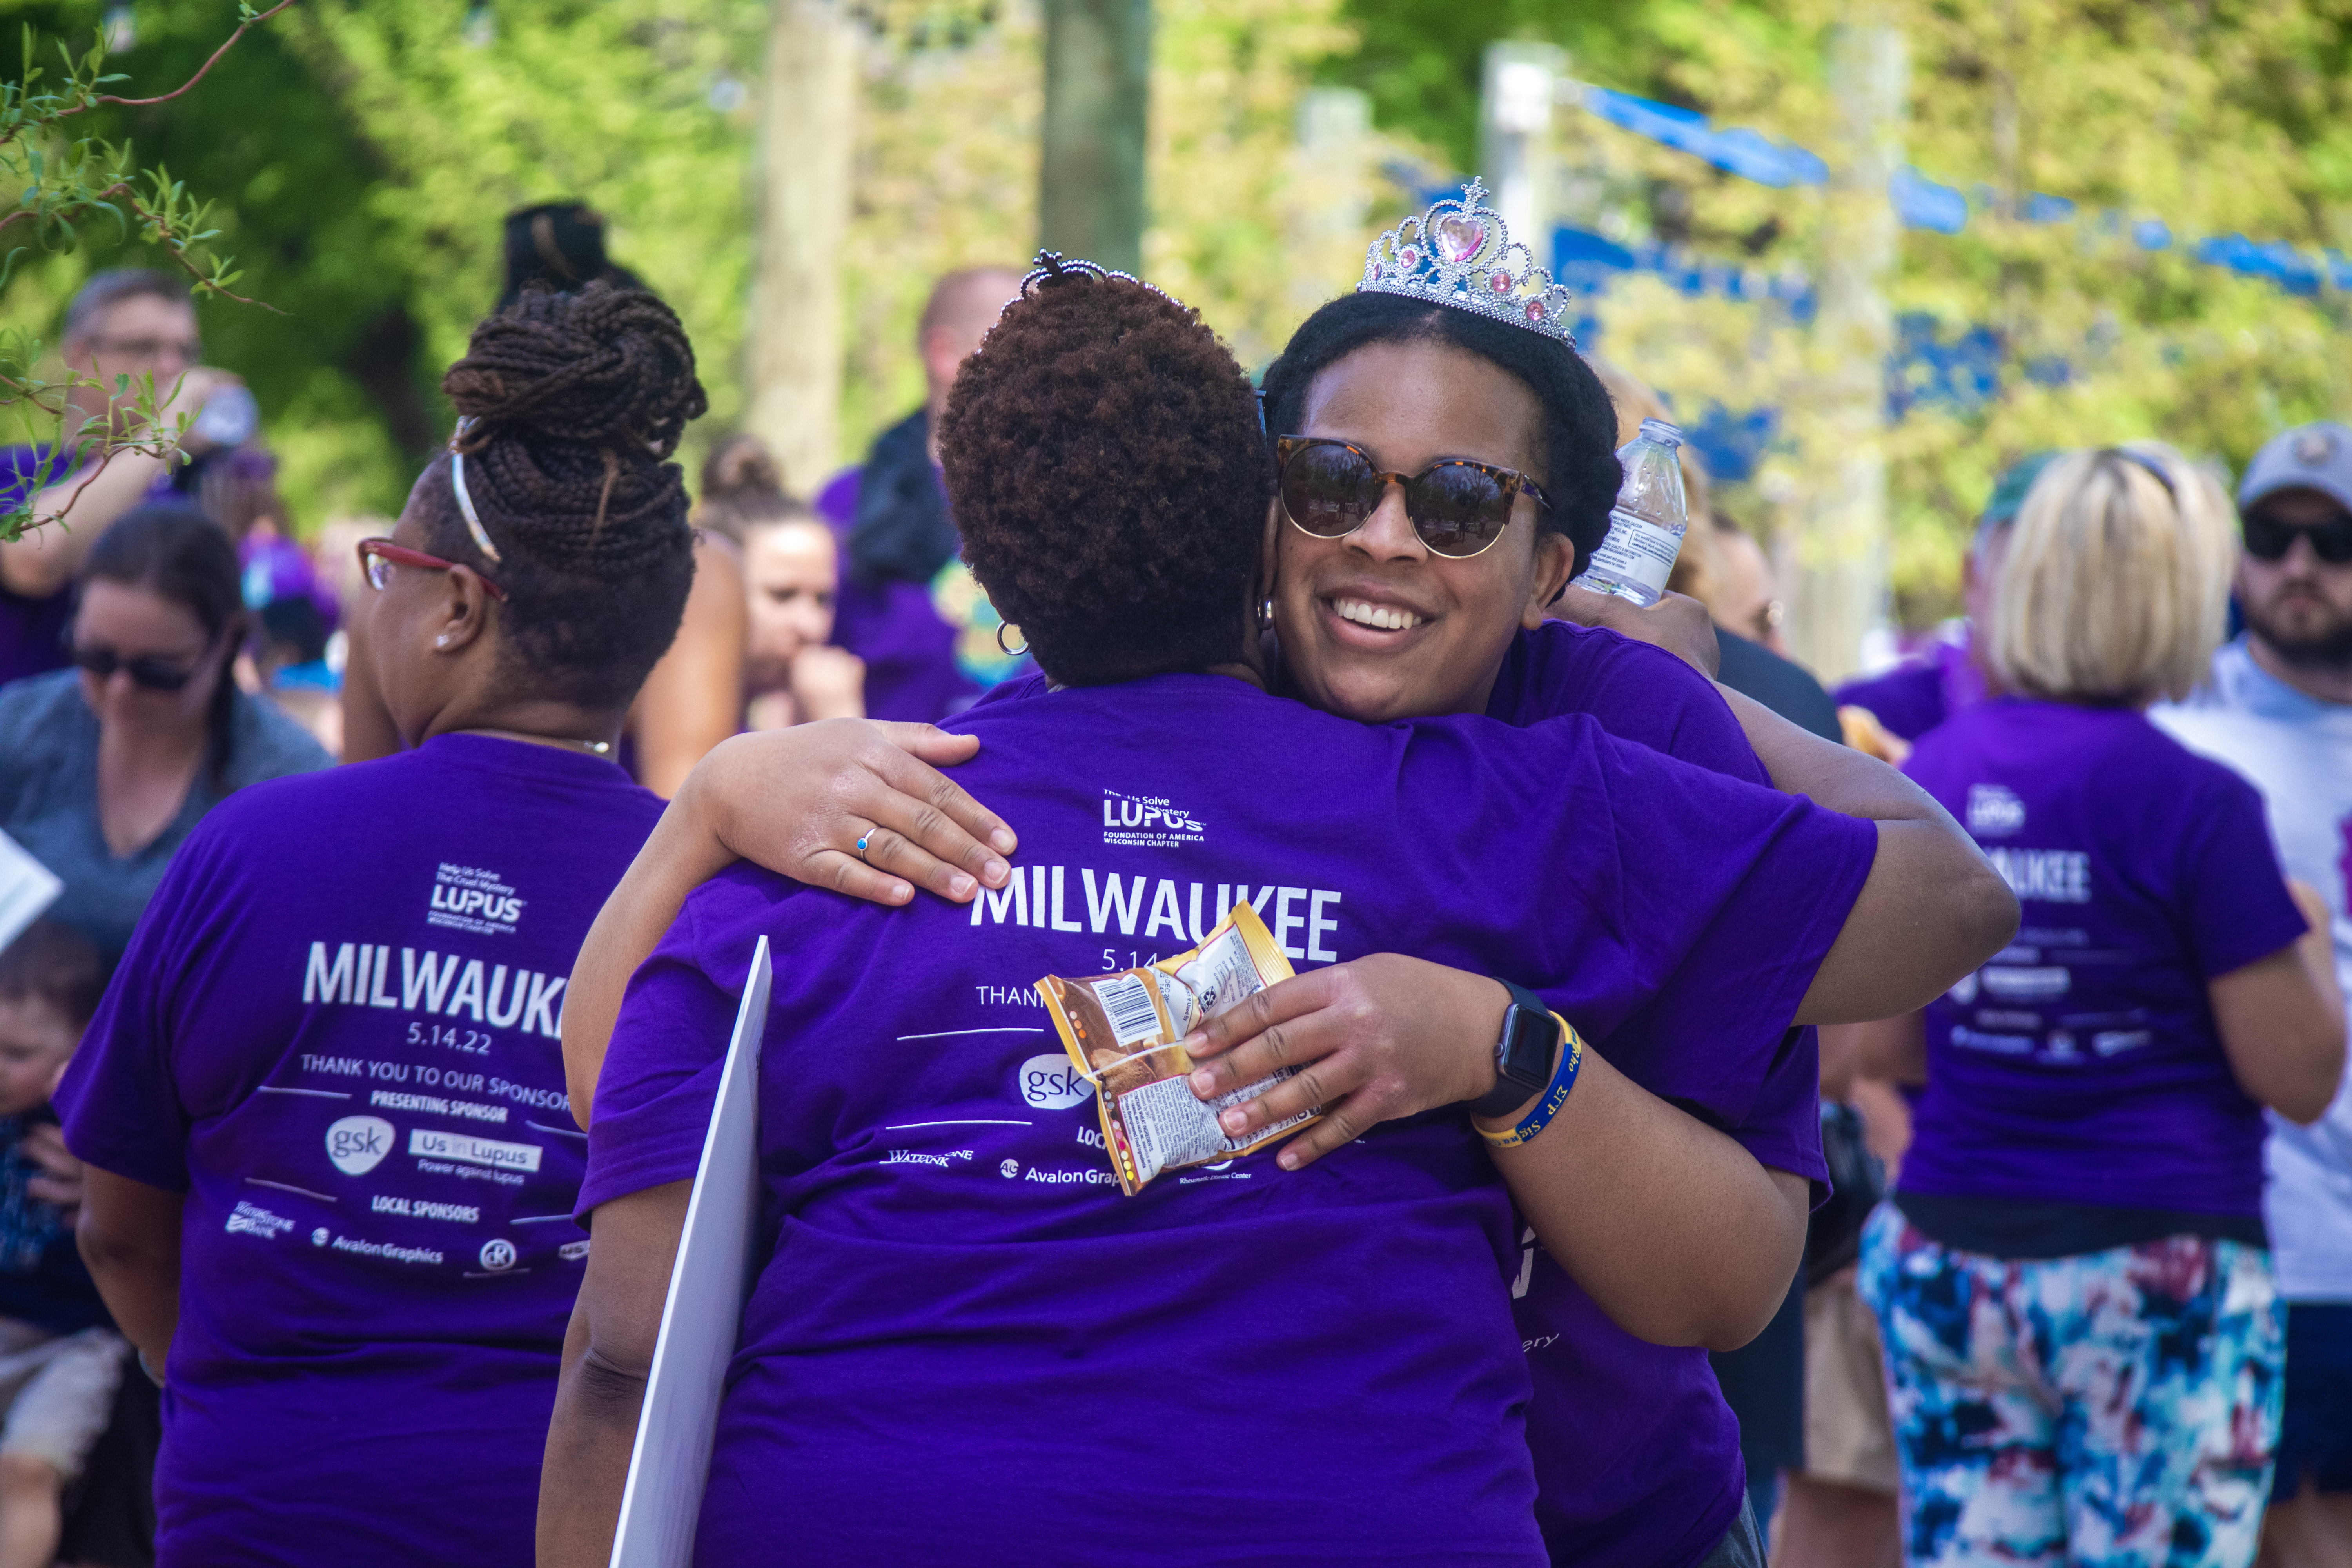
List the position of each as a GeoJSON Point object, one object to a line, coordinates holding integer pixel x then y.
{"type": "Point", "coordinates": [267, 742]}
{"type": "Point", "coordinates": [39, 711]}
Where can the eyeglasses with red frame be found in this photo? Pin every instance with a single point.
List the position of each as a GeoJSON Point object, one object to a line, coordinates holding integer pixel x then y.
{"type": "Point", "coordinates": [378, 556]}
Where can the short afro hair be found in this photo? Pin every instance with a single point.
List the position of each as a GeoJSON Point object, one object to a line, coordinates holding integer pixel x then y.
{"type": "Point", "coordinates": [1578, 434]}
{"type": "Point", "coordinates": [1110, 480]}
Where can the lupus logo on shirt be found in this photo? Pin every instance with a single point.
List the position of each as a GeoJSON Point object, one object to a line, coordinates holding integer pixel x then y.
{"type": "Point", "coordinates": [1147, 822]}
{"type": "Point", "coordinates": [1994, 811]}
{"type": "Point", "coordinates": [472, 899]}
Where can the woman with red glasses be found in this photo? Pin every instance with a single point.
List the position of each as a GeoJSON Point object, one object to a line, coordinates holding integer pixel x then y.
{"type": "Point", "coordinates": [105, 769]}
{"type": "Point", "coordinates": [330, 1161]}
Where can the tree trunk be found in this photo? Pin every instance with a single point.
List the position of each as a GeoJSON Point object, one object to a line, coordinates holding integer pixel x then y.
{"type": "Point", "coordinates": [807, 133]}
{"type": "Point", "coordinates": [1098, 82]}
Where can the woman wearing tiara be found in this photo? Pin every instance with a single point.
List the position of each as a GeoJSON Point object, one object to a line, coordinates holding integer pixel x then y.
{"type": "Point", "coordinates": [1310, 1362]}
{"type": "Point", "coordinates": [1412, 599]}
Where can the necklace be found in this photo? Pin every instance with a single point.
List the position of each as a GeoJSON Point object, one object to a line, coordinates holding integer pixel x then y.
{"type": "Point", "coordinates": [594, 748]}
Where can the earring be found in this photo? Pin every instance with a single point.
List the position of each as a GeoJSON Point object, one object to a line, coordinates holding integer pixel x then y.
{"type": "Point", "coordinates": [441, 641]}
{"type": "Point", "coordinates": [1265, 615]}
{"type": "Point", "coordinates": [1010, 652]}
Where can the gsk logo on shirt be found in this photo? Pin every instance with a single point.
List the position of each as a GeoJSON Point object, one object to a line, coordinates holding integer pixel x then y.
{"type": "Point", "coordinates": [1993, 811]}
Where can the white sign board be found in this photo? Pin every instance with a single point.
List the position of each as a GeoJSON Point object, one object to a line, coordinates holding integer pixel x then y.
{"type": "Point", "coordinates": [708, 1286]}
{"type": "Point", "coordinates": [27, 887]}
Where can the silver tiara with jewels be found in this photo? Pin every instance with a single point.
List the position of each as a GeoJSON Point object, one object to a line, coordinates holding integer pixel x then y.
{"type": "Point", "coordinates": [1458, 253]}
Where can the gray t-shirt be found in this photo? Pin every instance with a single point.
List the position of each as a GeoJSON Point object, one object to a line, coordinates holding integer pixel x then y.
{"type": "Point", "coordinates": [48, 797]}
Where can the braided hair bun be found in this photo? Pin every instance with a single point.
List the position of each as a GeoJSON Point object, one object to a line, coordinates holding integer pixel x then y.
{"type": "Point", "coordinates": [742, 488]}
{"type": "Point", "coordinates": [572, 404]}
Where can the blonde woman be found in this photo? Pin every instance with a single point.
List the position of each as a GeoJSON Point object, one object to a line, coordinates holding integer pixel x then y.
{"type": "Point", "coordinates": [2083, 1344]}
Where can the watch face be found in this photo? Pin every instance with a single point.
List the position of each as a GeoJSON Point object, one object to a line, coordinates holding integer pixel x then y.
{"type": "Point", "coordinates": [1529, 1041]}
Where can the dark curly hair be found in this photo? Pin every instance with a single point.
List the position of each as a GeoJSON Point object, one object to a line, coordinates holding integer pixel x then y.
{"type": "Point", "coordinates": [573, 402]}
{"type": "Point", "coordinates": [1104, 459]}
{"type": "Point", "coordinates": [1579, 472]}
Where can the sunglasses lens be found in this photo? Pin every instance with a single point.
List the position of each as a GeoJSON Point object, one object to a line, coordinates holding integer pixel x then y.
{"type": "Point", "coordinates": [1329, 491]}
{"type": "Point", "coordinates": [1457, 509]}
{"type": "Point", "coordinates": [2269, 540]}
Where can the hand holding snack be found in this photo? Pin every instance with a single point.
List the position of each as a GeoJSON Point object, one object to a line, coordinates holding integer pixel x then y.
{"type": "Point", "coordinates": [1123, 1031]}
{"type": "Point", "coordinates": [1371, 1040]}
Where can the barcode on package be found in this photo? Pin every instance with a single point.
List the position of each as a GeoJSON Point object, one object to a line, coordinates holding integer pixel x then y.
{"type": "Point", "coordinates": [1127, 1003]}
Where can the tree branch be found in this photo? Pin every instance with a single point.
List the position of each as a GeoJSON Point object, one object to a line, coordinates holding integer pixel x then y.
{"type": "Point", "coordinates": [242, 28]}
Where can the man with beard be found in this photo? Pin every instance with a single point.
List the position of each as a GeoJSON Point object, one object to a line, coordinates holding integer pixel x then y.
{"type": "Point", "coordinates": [2278, 708]}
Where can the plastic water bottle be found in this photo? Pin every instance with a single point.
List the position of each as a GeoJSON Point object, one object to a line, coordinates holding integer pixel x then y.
{"type": "Point", "coordinates": [1646, 525]}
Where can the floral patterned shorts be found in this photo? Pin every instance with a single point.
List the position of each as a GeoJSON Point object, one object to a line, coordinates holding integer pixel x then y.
{"type": "Point", "coordinates": [2117, 1409]}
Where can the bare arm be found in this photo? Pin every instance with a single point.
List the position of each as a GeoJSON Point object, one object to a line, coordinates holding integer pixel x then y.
{"type": "Point", "coordinates": [694, 698]}
{"type": "Point", "coordinates": [2282, 1020]}
{"type": "Point", "coordinates": [1891, 1050]}
{"type": "Point", "coordinates": [1676, 1231]}
{"type": "Point", "coordinates": [608, 1353]}
{"type": "Point", "coordinates": [129, 1238]}
{"type": "Point", "coordinates": [1932, 910]}
{"type": "Point", "coordinates": [791, 800]}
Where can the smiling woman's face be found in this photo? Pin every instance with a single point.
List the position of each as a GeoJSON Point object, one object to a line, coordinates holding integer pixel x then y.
{"type": "Point", "coordinates": [1375, 626]}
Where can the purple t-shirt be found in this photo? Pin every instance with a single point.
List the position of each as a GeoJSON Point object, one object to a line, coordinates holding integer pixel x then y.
{"type": "Point", "coordinates": [956, 1275]}
{"type": "Point", "coordinates": [1637, 1453]}
{"type": "Point", "coordinates": [1921, 692]}
{"type": "Point", "coordinates": [335, 1031]}
{"type": "Point", "coordinates": [1656, 1482]}
{"type": "Point", "coordinates": [2081, 1065]}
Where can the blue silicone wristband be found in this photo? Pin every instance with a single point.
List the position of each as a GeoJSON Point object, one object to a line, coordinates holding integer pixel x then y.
{"type": "Point", "coordinates": [1564, 1080]}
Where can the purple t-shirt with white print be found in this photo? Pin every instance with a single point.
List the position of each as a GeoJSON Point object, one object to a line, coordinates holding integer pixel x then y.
{"type": "Point", "coordinates": [336, 1032]}
{"type": "Point", "coordinates": [1637, 1454]}
{"type": "Point", "coordinates": [2080, 1064]}
{"type": "Point", "coordinates": [1316, 1366]}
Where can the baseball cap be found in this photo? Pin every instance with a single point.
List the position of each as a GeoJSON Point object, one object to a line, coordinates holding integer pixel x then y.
{"type": "Point", "coordinates": [2009, 492]}
{"type": "Point", "coordinates": [2315, 457]}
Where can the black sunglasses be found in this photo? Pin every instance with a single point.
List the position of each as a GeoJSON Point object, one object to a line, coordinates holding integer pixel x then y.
{"type": "Point", "coordinates": [2268, 539]}
{"type": "Point", "coordinates": [149, 672]}
{"type": "Point", "coordinates": [1456, 507]}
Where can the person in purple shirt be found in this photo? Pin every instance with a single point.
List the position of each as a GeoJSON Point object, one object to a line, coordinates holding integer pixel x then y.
{"type": "Point", "coordinates": [2083, 1336]}
{"type": "Point", "coordinates": [126, 323]}
{"type": "Point", "coordinates": [908, 605]}
{"type": "Point", "coordinates": [331, 1163]}
{"type": "Point", "coordinates": [1924, 691]}
{"type": "Point", "coordinates": [1660, 1480]}
{"type": "Point", "coordinates": [1085, 569]}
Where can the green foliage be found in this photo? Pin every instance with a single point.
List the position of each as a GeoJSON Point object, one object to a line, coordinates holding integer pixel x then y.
{"type": "Point", "coordinates": [2223, 117]}
{"type": "Point", "coordinates": [366, 154]}
{"type": "Point", "coordinates": [63, 179]}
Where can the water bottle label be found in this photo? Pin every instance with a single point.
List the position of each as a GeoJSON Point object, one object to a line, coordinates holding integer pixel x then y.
{"type": "Point", "coordinates": [1638, 552]}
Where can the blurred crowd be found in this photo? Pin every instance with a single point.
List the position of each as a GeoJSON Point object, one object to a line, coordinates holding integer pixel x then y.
{"type": "Point", "coordinates": [182, 635]}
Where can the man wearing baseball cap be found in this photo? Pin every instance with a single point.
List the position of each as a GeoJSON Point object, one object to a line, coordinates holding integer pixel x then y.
{"type": "Point", "coordinates": [2278, 708]}
{"type": "Point", "coordinates": [1921, 692]}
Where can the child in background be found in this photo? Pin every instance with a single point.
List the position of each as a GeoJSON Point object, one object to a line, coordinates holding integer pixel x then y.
{"type": "Point", "coordinates": [61, 1359]}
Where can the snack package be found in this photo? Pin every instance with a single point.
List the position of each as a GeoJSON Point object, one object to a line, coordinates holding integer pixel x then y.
{"type": "Point", "coordinates": [1122, 1029]}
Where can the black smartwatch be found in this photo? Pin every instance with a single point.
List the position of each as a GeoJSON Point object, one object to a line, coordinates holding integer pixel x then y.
{"type": "Point", "coordinates": [1524, 1058]}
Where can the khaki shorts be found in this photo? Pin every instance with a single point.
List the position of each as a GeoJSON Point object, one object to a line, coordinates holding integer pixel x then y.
{"type": "Point", "coordinates": [59, 1392]}
{"type": "Point", "coordinates": [1848, 1437]}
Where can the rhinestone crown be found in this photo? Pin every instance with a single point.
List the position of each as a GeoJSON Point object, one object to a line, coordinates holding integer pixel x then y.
{"type": "Point", "coordinates": [1458, 253]}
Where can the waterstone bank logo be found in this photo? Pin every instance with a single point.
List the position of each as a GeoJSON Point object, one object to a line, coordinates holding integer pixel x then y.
{"type": "Point", "coordinates": [469, 899]}
{"type": "Point", "coordinates": [1147, 822]}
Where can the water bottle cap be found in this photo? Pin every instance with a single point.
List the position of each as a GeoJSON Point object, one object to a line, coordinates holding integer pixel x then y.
{"type": "Point", "coordinates": [1662, 432]}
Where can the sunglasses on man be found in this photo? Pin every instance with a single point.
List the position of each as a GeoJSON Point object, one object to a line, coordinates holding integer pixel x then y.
{"type": "Point", "coordinates": [2269, 539]}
